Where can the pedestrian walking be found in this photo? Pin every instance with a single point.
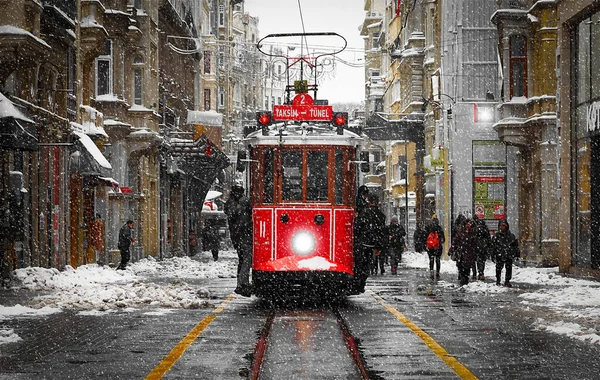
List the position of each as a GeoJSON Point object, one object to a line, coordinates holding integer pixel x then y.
{"type": "Point", "coordinates": [239, 218]}
{"type": "Point", "coordinates": [210, 238]}
{"type": "Point", "coordinates": [419, 237]}
{"type": "Point", "coordinates": [463, 250]}
{"type": "Point", "coordinates": [371, 226]}
{"type": "Point", "coordinates": [397, 244]}
{"type": "Point", "coordinates": [484, 241]}
{"type": "Point", "coordinates": [97, 236]}
{"type": "Point", "coordinates": [125, 240]}
{"type": "Point", "coordinates": [505, 248]}
{"type": "Point", "coordinates": [434, 246]}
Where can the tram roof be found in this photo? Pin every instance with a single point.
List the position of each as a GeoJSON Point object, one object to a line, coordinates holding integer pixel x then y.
{"type": "Point", "coordinates": [304, 133]}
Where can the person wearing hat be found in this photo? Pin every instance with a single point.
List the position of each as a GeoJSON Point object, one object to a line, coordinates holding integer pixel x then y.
{"type": "Point", "coordinates": [397, 244]}
{"type": "Point", "coordinates": [505, 248]}
{"type": "Point", "coordinates": [239, 218]}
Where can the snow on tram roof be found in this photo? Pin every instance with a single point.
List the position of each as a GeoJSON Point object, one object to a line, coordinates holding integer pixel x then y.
{"type": "Point", "coordinates": [304, 133]}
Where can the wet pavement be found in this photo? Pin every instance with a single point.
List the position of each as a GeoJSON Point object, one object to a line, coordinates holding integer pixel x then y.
{"type": "Point", "coordinates": [491, 335]}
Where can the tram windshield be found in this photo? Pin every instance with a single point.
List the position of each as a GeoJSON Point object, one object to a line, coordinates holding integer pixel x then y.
{"type": "Point", "coordinates": [303, 174]}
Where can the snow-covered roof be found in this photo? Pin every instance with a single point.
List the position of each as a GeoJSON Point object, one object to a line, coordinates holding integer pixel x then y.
{"type": "Point", "coordinates": [210, 118]}
{"type": "Point", "coordinates": [11, 29]}
{"type": "Point", "coordinates": [8, 109]}
{"type": "Point", "coordinates": [304, 133]}
{"type": "Point", "coordinates": [91, 147]}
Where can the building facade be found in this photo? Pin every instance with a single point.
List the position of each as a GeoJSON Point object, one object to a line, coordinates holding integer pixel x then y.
{"type": "Point", "coordinates": [527, 32]}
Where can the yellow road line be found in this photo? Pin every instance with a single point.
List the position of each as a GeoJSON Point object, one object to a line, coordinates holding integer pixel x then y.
{"type": "Point", "coordinates": [462, 371]}
{"type": "Point", "coordinates": [165, 365]}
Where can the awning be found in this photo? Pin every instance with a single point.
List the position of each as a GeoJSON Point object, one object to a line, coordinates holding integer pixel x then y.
{"type": "Point", "coordinates": [16, 130]}
{"type": "Point", "coordinates": [108, 181]}
{"type": "Point", "coordinates": [211, 118]}
{"type": "Point", "coordinates": [212, 194]}
{"type": "Point", "coordinates": [92, 161]}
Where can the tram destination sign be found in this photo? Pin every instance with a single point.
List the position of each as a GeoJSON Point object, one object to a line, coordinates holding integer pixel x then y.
{"type": "Point", "coordinates": [302, 112]}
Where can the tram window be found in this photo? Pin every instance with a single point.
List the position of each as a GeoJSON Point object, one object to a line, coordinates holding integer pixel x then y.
{"type": "Point", "coordinates": [317, 181]}
{"type": "Point", "coordinates": [291, 182]}
{"type": "Point", "coordinates": [339, 177]}
{"type": "Point", "coordinates": [268, 176]}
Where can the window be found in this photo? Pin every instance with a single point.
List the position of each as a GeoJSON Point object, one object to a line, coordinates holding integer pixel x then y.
{"type": "Point", "coordinates": [279, 100]}
{"type": "Point", "coordinates": [269, 180]}
{"type": "Point", "coordinates": [317, 186]}
{"type": "Point", "coordinates": [206, 62]}
{"type": "Point", "coordinates": [221, 15]}
{"type": "Point", "coordinates": [138, 80]}
{"type": "Point", "coordinates": [221, 59]}
{"type": "Point", "coordinates": [291, 169]}
{"type": "Point", "coordinates": [430, 28]}
{"type": "Point", "coordinates": [221, 97]}
{"type": "Point", "coordinates": [518, 66]}
{"type": "Point", "coordinates": [375, 41]}
{"type": "Point", "coordinates": [207, 99]}
{"type": "Point", "coordinates": [339, 177]}
{"type": "Point", "coordinates": [104, 70]}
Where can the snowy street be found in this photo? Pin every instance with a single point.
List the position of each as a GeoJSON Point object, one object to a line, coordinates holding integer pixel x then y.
{"type": "Point", "coordinates": [94, 315]}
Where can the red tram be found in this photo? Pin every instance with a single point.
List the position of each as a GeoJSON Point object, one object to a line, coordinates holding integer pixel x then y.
{"type": "Point", "coordinates": [302, 173]}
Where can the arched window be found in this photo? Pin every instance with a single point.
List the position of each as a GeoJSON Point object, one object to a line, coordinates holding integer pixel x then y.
{"type": "Point", "coordinates": [138, 76]}
{"type": "Point", "coordinates": [518, 66]}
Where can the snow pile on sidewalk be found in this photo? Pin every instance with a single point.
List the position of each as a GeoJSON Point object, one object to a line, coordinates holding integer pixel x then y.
{"type": "Point", "coordinates": [93, 287]}
{"type": "Point", "coordinates": [573, 304]}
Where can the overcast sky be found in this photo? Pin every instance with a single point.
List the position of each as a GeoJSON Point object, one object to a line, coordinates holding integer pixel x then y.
{"type": "Point", "coordinates": [341, 16]}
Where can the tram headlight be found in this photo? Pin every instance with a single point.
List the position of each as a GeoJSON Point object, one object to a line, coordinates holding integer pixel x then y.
{"type": "Point", "coordinates": [303, 243]}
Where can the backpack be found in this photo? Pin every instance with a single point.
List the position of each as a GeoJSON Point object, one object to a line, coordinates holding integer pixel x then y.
{"type": "Point", "coordinates": [433, 241]}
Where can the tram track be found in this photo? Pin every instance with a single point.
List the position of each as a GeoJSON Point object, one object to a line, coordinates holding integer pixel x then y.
{"type": "Point", "coordinates": [274, 353]}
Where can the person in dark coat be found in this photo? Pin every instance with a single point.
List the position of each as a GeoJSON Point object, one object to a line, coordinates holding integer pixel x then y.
{"type": "Point", "coordinates": [397, 244]}
{"type": "Point", "coordinates": [419, 237]}
{"type": "Point", "coordinates": [435, 254]}
{"type": "Point", "coordinates": [239, 218]}
{"type": "Point", "coordinates": [458, 225]}
{"type": "Point", "coordinates": [362, 202]}
{"type": "Point", "coordinates": [484, 241]}
{"type": "Point", "coordinates": [370, 223]}
{"type": "Point", "coordinates": [125, 240]}
{"type": "Point", "coordinates": [463, 250]}
{"type": "Point", "coordinates": [505, 248]}
{"type": "Point", "coordinates": [210, 239]}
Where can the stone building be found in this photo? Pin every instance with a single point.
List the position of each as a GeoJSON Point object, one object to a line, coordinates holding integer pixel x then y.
{"type": "Point", "coordinates": [527, 121]}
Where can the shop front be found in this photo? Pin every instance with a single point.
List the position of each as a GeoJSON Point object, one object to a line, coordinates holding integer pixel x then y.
{"type": "Point", "coordinates": [580, 118]}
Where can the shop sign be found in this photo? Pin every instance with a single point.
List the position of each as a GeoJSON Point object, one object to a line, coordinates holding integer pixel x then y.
{"type": "Point", "coordinates": [593, 116]}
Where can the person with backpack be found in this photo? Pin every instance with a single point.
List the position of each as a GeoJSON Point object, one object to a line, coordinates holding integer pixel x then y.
{"type": "Point", "coordinates": [484, 241]}
{"type": "Point", "coordinates": [505, 248]}
{"type": "Point", "coordinates": [434, 245]}
{"type": "Point", "coordinates": [397, 245]}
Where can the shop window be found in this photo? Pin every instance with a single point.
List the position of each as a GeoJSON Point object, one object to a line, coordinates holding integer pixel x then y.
{"type": "Point", "coordinates": [518, 66]}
